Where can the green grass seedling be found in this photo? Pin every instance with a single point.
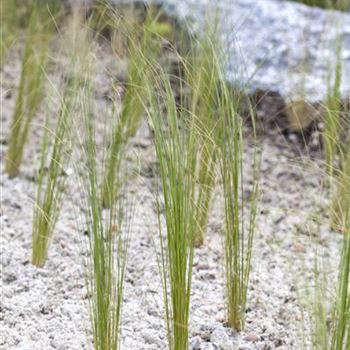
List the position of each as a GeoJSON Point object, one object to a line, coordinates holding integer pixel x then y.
{"type": "Point", "coordinates": [319, 299]}
{"type": "Point", "coordinates": [142, 43]}
{"type": "Point", "coordinates": [333, 123]}
{"type": "Point", "coordinates": [341, 327]}
{"type": "Point", "coordinates": [336, 137]}
{"type": "Point", "coordinates": [341, 201]}
{"type": "Point", "coordinates": [9, 26]}
{"type": "Point", "coordinates": [51, 182]}
{"type": "Point", "coordinates": [203, 73]}
{"type": "Point", "coordinates": [176, 148]}
{"type": "Point", "coordinates": [108, 247]}
{"type": "Point", "coordinates": [330, 307]}
{"type": "Point", "coordinates": [107, 230]}
{"type": "Point", "coordinates": [328, 301]}
{"type": "Point", "coordinates": [14, 17]}
{"type": "Point", "coordinates": [239, 232]}
{"type": "Point", "coordinates": [30, 90]}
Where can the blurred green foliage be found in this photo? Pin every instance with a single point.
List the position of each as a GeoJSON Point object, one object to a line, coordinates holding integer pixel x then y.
{"type": "Point", "coordinates": [15, 16]}
{"type": "Point", "coordinates": [343, 5]}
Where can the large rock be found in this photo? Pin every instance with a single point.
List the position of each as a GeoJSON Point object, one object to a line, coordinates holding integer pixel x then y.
{"type": "Point", "coordinates": [283, 52]}
{"type": "Point", "coordinates": [279, 49]}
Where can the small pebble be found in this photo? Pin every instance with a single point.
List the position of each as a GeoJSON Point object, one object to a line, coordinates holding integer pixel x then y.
{"type": "Point", "coordinates": [252, 337]}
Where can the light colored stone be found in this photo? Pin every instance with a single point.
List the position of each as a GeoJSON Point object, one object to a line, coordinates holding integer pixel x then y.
{"type": "Point", "coordinates": [221, 339]}
{"type": "Point", "coordinates": [277, 48]}
{"type": "Point", "coordinates": [273, 47]}
{"type": "Point", "coordinates": [301, 114]}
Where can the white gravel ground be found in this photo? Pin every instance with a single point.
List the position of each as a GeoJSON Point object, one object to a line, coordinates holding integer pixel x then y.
{"type": "Point", "coordinates": [44, 309]}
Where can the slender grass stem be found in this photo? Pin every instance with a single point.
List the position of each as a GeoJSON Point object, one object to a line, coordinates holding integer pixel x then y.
{"type": "Point", "coordinates": [52, 178]}
{"type": "Point", "coordinates": [133, 102]}
{"type": "Point", "coordinates": [49, 192]}
{"type": "Point", "coordinates": [176, 149]}
{"type": "Point", "coordinates": [341, 328]}
{"type": "Point", "coordinates": [333, 118]}
{"type": "Point", "coordinates": [341, 335]}
{"type": "Point", "coordinates": [239, 232]}
{"type": "Point", "coordinates": [203, 71]}
{"type": "Point", "coordinates": [108, 246]}
{"type": "Point", "coordinates": [30, 90]}
{"type": "Point", "coordinates": [330, 303]}
{"type": "Point", "coordinates": [341, 201]}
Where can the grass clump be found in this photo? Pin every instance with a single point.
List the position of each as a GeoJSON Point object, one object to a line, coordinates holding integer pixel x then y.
{"type": "Point", "coordinates": [15, 16]}
{"type": "Point", "coordinates": [176, 148]}
{"type": "Point", "coordinates": [30, 90]}
{"type": "Point", "coordinates": [142, 43]}
{"type": "Point", "coordinates": [51, 182]}
{"type": "Point", "coordinates": [336, 144]}
{"type": "Point", "coordinates": [107, 246]}
{"type": "Point", "coordinates": [330, 307]}
{"type": "Point", "coordinates": [341, 200]}
{"type": "Point", "coordinates": [239, 231]}
{"type": "Point", "coordinates": [203, 73]}
{"type": "Point", "coordinates": [333, 137]}
{"type": "Point", "coordinates": [9, 26]}
{"type": "Point", "coordinates": [107, 230]}
{"type": "Point", "coordinates": [218, 127]}
{"type": "Point", "coordinates": [329, 302]}
{"type": "Point", "coordinates": [341, 327]}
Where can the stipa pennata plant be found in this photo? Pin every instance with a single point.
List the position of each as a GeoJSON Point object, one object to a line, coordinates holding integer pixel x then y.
{"type": "Point", "coordinates": [240, 213]}
{"type": "Point", "coordinates": [333, 118]}
{"type": "Point", "coordinates": [142, 42]}
{"type": "Point", "coordinates": [30, 90]}
{"type": "Point", "coordinates": [108, 240]}
{"type": "Point", "coordinates": [202, 69]}
{"type": "Point", "coordinates": [220, 125]}
{"type": "Point", "coordinates": [176, 148]}
{"type": "Point", "coordinates": [319, 312]}
{"type": "Point", "coordinates": [341, 200]}
{"type": "Point", "coordinates": [51, 181]}
{"type": "Point", "coordinates": [9, 26]}
{"type": "Point", "coordinates": [329, 298]}
{"type": "Point", "coordinates": [330, 305]}
{"type": "Point", "coordinates": [108, 230]}
{"type": "Point", "coordinates": [341, 327]}
{"type": "Point", "coordinates": [336, 140]}
{"type": "Point", "coordinates": [15, 16]}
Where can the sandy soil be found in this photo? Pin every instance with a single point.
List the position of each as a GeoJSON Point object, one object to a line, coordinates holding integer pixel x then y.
{"type": "Point", "coordinates": [48, 309]}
